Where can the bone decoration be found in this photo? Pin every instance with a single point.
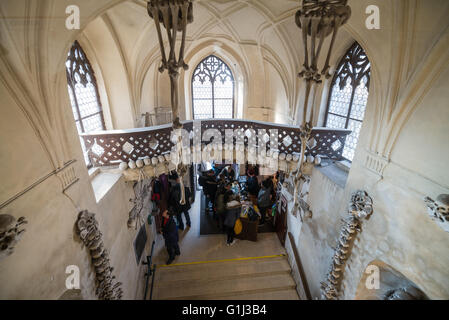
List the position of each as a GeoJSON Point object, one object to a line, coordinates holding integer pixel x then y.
{"type": "Point", "coordinates": [10, 233]}
{"type": "Point", "coordinates": [360, 208]}
{"type": "Point", "coordinates": [90, 235]}
{"type": "Point", "coordinates": [438, 210]}
{"type": "Point", "coordinates": [174, 16]}
{"type": "Point", "coordinates": [317, 20]}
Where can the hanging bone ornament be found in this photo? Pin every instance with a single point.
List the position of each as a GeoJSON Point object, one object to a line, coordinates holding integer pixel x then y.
{"type": "Point", "coordinates": [317, 20]}
{"type": "Point", "coordinates": [10, 233]}
{"type": "Point", "coordinates": [360, 207]}
{"type": "Point", "coordinates": [87, 229]}
{"type": "Point", "coordinates": [174, 15]}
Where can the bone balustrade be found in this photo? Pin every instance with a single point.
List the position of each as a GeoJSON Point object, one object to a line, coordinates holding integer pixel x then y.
{"type": "Point", "coordinates": [110, 148]}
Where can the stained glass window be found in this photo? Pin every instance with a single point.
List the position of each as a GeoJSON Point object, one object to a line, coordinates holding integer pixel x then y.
{"type": "Point", "coordinates": [349, 95]}
{"type": "Point", "coordinates": [83, 93]}
{"type": "Point", "coordinates": [212, 90]}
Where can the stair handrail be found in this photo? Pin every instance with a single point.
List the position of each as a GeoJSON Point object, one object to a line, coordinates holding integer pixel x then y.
{"type": "Point", "coordinates": [150, 272]}
{"type": "Point", "coordinates": [302, 274]}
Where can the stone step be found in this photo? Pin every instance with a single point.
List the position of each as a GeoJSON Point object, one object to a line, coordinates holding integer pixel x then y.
{"type": "Point", "coordinates": [281, 294]}
{"type": "Point", "coordinates": [224, 288]}
{"type": "Point", "coordinates": [221, 270]}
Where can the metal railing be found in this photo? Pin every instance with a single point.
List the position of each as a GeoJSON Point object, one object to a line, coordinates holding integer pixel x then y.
{"type": "Point", "coordinates": [151, 271]}
{"type": "Point", "coordinates": [107, 148]}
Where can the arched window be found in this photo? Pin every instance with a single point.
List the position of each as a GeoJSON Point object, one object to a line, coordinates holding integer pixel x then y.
{"type": "Point", "coordinates": [348, 96]}
{"type": "Point", "coordinates": [212, 90]}
{"type": "Point", "coordinates": [83, 93]}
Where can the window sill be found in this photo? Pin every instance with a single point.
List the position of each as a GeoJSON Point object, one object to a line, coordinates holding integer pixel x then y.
{"type": "Point", "coordinates": [103, 182]}
{"type": "Point", "coordinates": [345, 165]}
{"type": "Point", "coordinates": [93, 172]}
{"type": "Point", "coordinates": [336, 172]}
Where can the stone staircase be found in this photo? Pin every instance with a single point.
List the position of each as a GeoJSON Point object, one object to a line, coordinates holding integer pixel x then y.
{"type": "Point", "coordinates": [266, 278]}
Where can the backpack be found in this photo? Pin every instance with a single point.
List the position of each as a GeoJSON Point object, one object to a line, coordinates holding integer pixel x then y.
{"type": "Point", "coordinates": [253, 185]}
{"type": "Point", "coordinates": [238, 227]}
{"type": "Point", "coordinates": [201, 180]}
{"type": "Point", "coordinates": [157, 187]}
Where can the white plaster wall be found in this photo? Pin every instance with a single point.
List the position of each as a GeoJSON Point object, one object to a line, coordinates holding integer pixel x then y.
{"type": "Point", "coordinates": [315, 237]}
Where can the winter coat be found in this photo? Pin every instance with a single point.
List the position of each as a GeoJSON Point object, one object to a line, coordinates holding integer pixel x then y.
{"type": "Point", "coordinates": [233, 210]}
{"type": "Point", "coordinates": [263, 198]}
{"type": "Point", "coordinates": [210, 186]}
{"type": "Point", "coordinates": [175, 197]}
{"type": "Point", "coordinates": [170, 231]}
{"type": "Point", "coordinates": [253, 185]}
{"type": "Point", "coordinates": [221, 199]}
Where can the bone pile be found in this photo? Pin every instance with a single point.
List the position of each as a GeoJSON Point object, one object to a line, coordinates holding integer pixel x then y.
{"type": "Point", "coordinates": [87, 229]}
{"type": "Point", "coordinates": [10, 233]}
{"type": "Point", "coordinates": [360, 207]}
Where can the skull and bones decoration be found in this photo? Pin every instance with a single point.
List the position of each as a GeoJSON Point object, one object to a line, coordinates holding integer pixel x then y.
{"type": "Point", "coordinates": [174, 15]}
{"type": "Point", "coordinates": [360, 207]}
{"type": "Point", "coordinates": [317, 20]}
{"type": "Point", "coordinates": [90, 235]}
{"type": "Point", "coordinates": [438, 210]}
{"type": "Point", "coordinates": [10, 233]}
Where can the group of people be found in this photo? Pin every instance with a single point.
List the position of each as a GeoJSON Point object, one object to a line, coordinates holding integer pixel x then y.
{"type": "Point", "coordinates": [224, 204]}
{"type": "Point", "coordinates": [221, 201]}
{"type": "Point", "coordinates": [174, 210]}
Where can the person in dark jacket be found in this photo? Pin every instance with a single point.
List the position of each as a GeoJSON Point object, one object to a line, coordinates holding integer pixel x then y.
{"type": "Point", "coordinates": [178, 208]}
{"type": "Point", "coordinates": [253, 183]}
{"type": "Point", "coordinates": [174, 201]}
{"type": "Point", "coordinates": [233, 210]}
{"type": "Point", "coordinates": [170, 233]}
{"type": "Point", "coordinates": [264, 200]}
{"type": "Point", "coordinates": [210, 189]}
{"type": "Point", "coordinates": [185, 209]}
{"type": "Point", "coordinates": [221, 198]}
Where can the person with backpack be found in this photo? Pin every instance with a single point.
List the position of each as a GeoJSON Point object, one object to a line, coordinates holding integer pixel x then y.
{"type": "Point", "coordinates": [253, 183]}
{"type": "Point", "coordinates": [233, 210]}
{"type": "Point", "coordinates": [210, 189]}
{"type": "Point", "coordinates": [174, 201]}
{"type": "Point", "coordinates": [264, 200]}
{"type": "Point", "coordinates": [170, 233]}
{"type": "Point", "coordinates": [185, 209]}
{"type": "Point", "coordinates": [221, 198]}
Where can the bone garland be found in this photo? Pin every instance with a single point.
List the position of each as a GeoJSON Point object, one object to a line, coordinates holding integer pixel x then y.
{"type": "Point", "coordinates": [317, 20]}
{"type": "Point", "coordinates": [87, 230]}
{"type": "Point", "coordinates": [10, 233]}
{"type": "Point", "coordinates": [174, 15]}
{"type": "Point", "coordinates": [136, 218]}
{"type": "Point", "coordinates": [360, 207]}
{"type": "Point", "coordinates": [438, 210]}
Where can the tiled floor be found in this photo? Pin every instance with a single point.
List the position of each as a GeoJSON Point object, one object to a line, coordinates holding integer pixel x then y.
{"type": "Point", "coordinates": [213, 247]}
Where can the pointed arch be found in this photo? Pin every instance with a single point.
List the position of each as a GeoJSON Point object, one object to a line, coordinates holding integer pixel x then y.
{"type": "Point", "coordinates": [212, 89]}
{"type": "Point", "coordinates": [348, 96]}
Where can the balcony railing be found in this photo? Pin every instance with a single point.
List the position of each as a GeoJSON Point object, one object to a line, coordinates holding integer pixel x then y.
{"type": "Point", "coordinates": [108, 148]}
